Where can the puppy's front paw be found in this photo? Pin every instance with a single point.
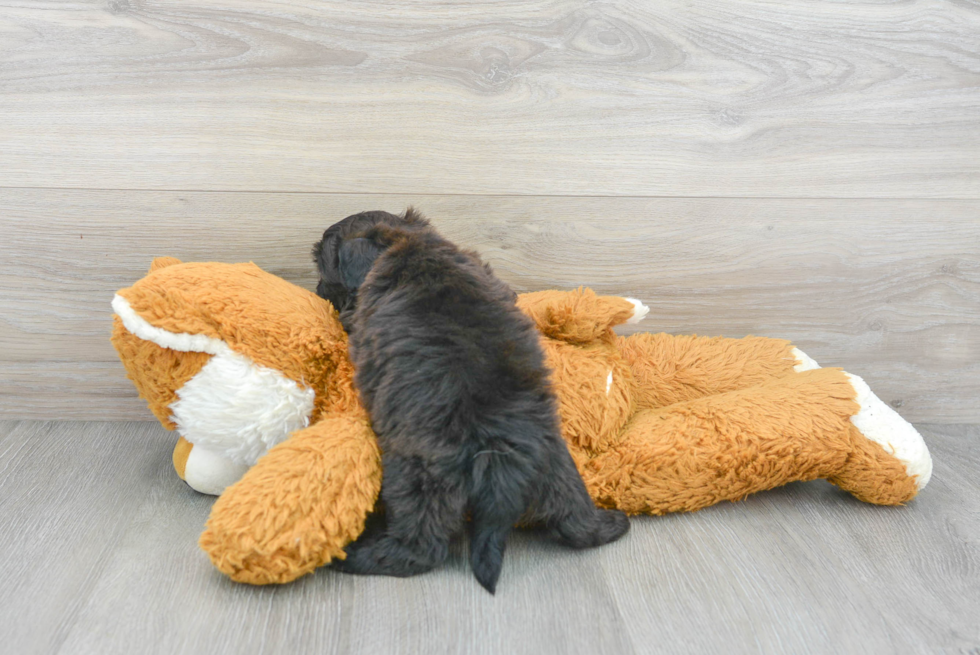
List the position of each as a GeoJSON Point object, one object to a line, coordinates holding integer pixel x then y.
{"type": "Point", "coordinates": [358, 560]}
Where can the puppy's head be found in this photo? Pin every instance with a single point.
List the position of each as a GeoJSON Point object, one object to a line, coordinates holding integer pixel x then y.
{"type": "Point", "coordinates": [347, 251]}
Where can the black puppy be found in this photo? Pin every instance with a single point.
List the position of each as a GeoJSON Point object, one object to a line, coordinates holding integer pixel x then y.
{"type": "Point", "coordinates": [454, 379]}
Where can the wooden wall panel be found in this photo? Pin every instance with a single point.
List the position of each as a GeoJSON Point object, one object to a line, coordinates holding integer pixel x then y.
{"type": "Point", "coordinates": [714, 98]}
{"type": "Point", "coordinates": [889, 289]}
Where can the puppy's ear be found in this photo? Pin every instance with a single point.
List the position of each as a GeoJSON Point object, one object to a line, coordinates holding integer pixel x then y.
{"type": "Point", "coordinates": [336, 294]}
{"type": "Point", "coordinates": [414, 218]}
{"type": "Point", "coordinates": [355, 258]}
{"type": "Point", "coordinates": [325, 256]}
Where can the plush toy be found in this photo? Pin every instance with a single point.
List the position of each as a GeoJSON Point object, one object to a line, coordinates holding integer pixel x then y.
{"type": "Point", "coordinates": [253, 373]}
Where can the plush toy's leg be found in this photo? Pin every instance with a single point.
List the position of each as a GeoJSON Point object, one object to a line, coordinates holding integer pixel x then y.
{"type": "Point", "coordinates": [726, 446]}
{"type": "Point", "coordinates": [298, 506]}
{"type": "Point", "coordinates": [871, 467]}
{"type": "Point", "coordinates": [670, 369]}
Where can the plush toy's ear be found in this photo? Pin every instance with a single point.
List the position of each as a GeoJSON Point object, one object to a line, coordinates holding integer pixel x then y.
{"type": "Point", "coordinates": [579, 316]}
{"type": "Point", "coordinates": [355, 258]}
{"type": "Point", "coordinates": [163, 262]}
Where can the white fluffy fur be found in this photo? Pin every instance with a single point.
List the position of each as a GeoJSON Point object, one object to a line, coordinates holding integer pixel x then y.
{"type": "Point", "coordinates": [232, 407]}
{"type": "Point", "coordinates": [240, 410]}
{"type": "Point", "coordinates": [803, 362]}
{"type": "Point", "coordinates": [640, 310]}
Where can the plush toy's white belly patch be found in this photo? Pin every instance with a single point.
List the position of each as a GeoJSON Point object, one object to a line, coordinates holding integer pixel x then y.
{"type": "Point", "coordinates": [240, 409]}
{"type": "Point", "coordinates": [232, 406]}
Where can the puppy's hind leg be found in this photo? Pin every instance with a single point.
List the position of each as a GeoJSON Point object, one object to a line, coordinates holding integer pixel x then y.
{"type": "Point", "coordinates": [423, 510]}
{"type": "Point", "coordinates": [566, 508]}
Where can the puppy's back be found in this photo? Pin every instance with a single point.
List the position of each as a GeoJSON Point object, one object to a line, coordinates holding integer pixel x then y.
{"type": "Point", "coordinates": [430, 309]}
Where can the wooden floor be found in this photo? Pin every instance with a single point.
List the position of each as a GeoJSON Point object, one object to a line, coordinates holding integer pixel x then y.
{"type": "Point", "coordinates": [100, 557]}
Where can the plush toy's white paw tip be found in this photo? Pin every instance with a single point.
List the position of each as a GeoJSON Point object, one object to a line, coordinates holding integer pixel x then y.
{"type": "Point", "coordinates": [210, 473]}
{"type": "Point", "coordinates": [882, 424]}
{"type": "Point", "coordinates": [639, 311]}
{"type": "Point", "coordinates": [803, 361]}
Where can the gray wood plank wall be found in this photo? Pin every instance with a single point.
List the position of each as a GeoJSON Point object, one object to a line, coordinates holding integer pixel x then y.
{"type": "Point", "coordinates": [805, 171]}
{"type": "Point", "coordinates": [717, 98]}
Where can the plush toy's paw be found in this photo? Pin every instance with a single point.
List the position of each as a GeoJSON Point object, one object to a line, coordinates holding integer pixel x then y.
{"type": "Point", "coordinates": [896, 464]}
{"type": "Point", "coordinates": [882, 425]}
{"type": "Point", "coordinates": [578, 316]}
{"type": "Point", "coordinates": [298, 506]}
{"type": "Point", "coordinates": [888, 463]}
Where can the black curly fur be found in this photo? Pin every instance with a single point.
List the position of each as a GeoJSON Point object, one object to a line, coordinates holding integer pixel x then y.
{"type": "Point", "coordinates": [454, 379]}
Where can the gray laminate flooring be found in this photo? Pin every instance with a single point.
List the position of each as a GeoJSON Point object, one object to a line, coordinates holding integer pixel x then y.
{"type": "Point", "coordinates": [99, 543]}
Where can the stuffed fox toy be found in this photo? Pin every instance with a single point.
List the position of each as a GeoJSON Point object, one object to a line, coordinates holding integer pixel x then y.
{"type": "Point", "coordinates": [253, 373]}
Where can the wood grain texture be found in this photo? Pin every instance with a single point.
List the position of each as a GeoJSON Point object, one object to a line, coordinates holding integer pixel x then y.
{"type": "Point", "coordinates": [714, 98]}
{"type": "Point", "coordinates": [102, 559]}
{"type": "Point", "coordinates": [68, 493]}
{"type": "Point", "coordinates": [808, 569]}
{"type": "Point", "coordinates": [890, 290]}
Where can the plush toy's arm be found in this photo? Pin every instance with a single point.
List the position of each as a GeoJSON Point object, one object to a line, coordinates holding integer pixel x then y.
{"type": "Point", "coordinates": [579, 316]}
{"type": "Point", "coordinates": [298, 506]}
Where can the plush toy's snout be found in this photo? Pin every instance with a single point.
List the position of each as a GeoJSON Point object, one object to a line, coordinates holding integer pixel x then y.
{"type": "Point", "coordinates": [181, 452]}
{"type": "Point", "coordinates": [205, 471]}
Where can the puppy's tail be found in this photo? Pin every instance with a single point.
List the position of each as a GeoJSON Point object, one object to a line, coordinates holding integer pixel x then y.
{"type": "Point", "coordinates": [502, 485]}
{"type": "Point", "coordinates": [487, 554]}
{"type": "Point", "coordinates": [494, 514]}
